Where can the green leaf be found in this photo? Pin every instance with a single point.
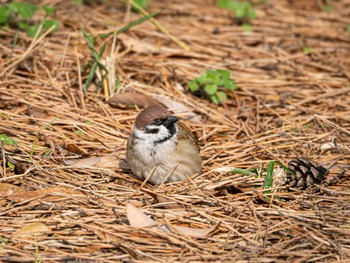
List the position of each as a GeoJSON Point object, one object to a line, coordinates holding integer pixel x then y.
{"type": "Point", "coordinates": [308, 50]}
{"type": "Point", "coordinates": [348, 27]}
{"type": "Point", "coordinates": [141, 3]}
{"type": "Point", "coordinates": [25, 10]}
{"type": "Point", "coordinates": [233, 5]}
{"type": "Point", "coordinates": [90, 39]}
{"type": "Point", "coordinates": [193, 85]}
{"type": "Point", "coordinates": [11, 165]}
{"type": "Point", "coordinates": [47, 153]}
{"type": "Point", "coordinates": [328, 7]}
{"type": "Point", "coordinates": [223, 3]}
{"type": "Point", "coordinates": [7, 140]}
{"type": "Point", "coordinates": [203, 79]}
{"type": "Point", "coordinates": [249, 10]}
{"type": "Point", "coordinates": [49, 10]}
{"type": "Point", "coordinates": [137, 22]}
{"type": "Point", "coordinates": [4, 14]}
{"type": "Point", "coordinates": [51, 23]}
{"type": "Point", "coordinates": [269, 175]}
{"type": "Point", "coordinates": [23, 25]}
{"type": "Point", "coordinates": [230, 85]}
{"type": "Point", "coordinates": [214, 98]}
{"type": "Point", "coordinates": [241, 171]}
{"type": "Point", "coordinates": [77, 2]}
{"type": "Point", "coordinates": [247, 27]}
{"type": "Point", "coordinates": [222, 97]}
{"type": "Point", "coordinates": [102, 49]}
{"type": "Point", "coordinates": [285, 168]}
{"type": "Point", "coordinates": [31, 30]}
{"type": "Point", "coordinates": [240, 12]}
{"type": "Point", "coordinates": [90, 77]}
{"type": "Point", "coordinates": [225, 74]}
{"type": "Point", "coordinates": [210, 89]}
{"type": "Point", "coordinates": [79, 132]}
{"type": "Point", "coordinates": [211, 74]}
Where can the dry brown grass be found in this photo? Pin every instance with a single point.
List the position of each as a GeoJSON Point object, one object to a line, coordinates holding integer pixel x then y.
{"type": "Point", "coordinates": [290, 103]}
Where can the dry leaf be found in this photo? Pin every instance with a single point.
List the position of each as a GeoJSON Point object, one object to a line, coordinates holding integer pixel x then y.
{"type": "Point", "coordinates": [18, 194]}
{"type": "Point", "coordinates": [132, 99]}
{"type": "Point", "coordinates": [34, 229]}
{"type": "Point", "coordinates": [144, 47]}
{"type": "Point", "coordinates": [73, 148]}
{"type": "Point", "coordinates": [107, 161]}
{"type": "Point", "coordinates": [167, 203]}
{"type": "Point", "coordinates": [137, 218]}
{"type": "Point", "coordinates": [39, 113]}
{"type": "Point", "coordinates": [104, 236]}
{"type": "Point", "coordinates": [194, 232]}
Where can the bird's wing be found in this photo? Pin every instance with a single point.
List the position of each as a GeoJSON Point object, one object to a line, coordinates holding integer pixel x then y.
{"type": "Point", "coordinates": [185, 133]}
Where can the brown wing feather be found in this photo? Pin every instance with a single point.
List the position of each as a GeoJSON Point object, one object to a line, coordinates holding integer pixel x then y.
{"type": "Point", "coordinates": [187, 134]}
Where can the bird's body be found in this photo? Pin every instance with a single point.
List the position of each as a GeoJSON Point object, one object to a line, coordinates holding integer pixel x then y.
{"type": "Point", "coordinates": [163, 147]}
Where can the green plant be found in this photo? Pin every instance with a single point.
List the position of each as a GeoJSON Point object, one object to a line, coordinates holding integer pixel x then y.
{"type": "Point", "coordinates": [327, 6]}
{"type": "Point", "coordinates": [21, 14]}
{"type": "Point", "coordinates": [243, 10]}
{"type": "Point", "coordinates": [96, 65]}
{"type": "Point", "coordinates": [268, 180]}
{"type": "Point", "coordinates": [141, 3]}
{"type": "Point", "coordinates": [308, 50]}
{"type": "Point", "coordinates": [214, 84]}
{"type": "Point", "coordinates": [7, 140]}
{"type": "Point", "coordinates": [37, 256]}
{"type": "Point", "coordinates": [3, 241]}
{"type": "Point", "coordinates": [348, 27]}
{"type": "Point", "coordinates": [4, 140]}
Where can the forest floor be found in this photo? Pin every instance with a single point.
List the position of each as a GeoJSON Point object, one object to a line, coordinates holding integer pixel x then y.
{"type": "Point", "coordinates": [64, 195]}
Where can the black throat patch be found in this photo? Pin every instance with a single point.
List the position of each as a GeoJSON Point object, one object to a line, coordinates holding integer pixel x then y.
{"type": "Point", "coordinates": [172, 130]}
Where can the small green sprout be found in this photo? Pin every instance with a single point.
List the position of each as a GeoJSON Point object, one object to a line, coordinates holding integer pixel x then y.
{"type": "Point", "coordinates": [348, 27]}
{"type": "Point", "coordinates": [308, 50]}
{"type": "Point", "coordinates": [21, 14]}
{"type": "Point", "coordinates": [328, 7]}
{"type": "Point", "coordinates": [3, 241]}
{"type": "Point", "coordinates": [4, 140]}
{"type": "Point", "coordinates": [79, 132]}
{"type": "Point", "coordinates": [268, 180]}
{"type": "Point", "coordinates": [214, 84]}
{"type": "Point", "coordinates": [7, 140]}
{"type": "Point", "coordinates": [243, 10]}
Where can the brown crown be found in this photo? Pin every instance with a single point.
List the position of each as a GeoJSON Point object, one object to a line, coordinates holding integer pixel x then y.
{"type": "Point", "coordinates": [148, 115]}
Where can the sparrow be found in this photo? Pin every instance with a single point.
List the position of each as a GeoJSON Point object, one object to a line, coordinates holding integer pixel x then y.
{"type": "Point", "coordinates": [162, 148]}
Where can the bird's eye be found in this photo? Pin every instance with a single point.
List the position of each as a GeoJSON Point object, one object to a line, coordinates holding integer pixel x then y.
{"type": "Point", "coordinates": [157, 122]}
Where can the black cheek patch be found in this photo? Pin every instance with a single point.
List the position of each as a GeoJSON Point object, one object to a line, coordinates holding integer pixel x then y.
{"type": "Point", "coordinates": [172, 130]}
{"type": "Point", "coordinates": [152, 131]}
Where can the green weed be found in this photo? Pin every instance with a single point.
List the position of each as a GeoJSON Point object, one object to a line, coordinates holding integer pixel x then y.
{"type": "Point", "coordinates": [214, 84]}
{"type": "Point", "coordinates": [20, 15]}
{"type": "Point", "coordinates": [96, 64]}
{"type": "Point", "coordinates": [244, 11]}
{"type": "Point", "coordinates": [4, 140]}
{"type": "Point", "coordinates": [141, 3]}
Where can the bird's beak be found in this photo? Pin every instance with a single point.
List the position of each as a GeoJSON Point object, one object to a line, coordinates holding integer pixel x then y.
{"type": "Point", "coordinates": [170, 120]}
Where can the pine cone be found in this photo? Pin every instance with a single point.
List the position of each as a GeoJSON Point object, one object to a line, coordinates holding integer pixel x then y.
{"type": "Point", "coordinates": [307, 173]}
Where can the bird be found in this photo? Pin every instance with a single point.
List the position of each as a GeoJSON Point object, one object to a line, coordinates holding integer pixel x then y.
{"type": "Point", "coordinates": [161, 148]}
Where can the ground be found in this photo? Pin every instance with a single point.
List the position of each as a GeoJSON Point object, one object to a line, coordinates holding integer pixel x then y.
{"type": "Point", "coordinates": [293, 100]}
